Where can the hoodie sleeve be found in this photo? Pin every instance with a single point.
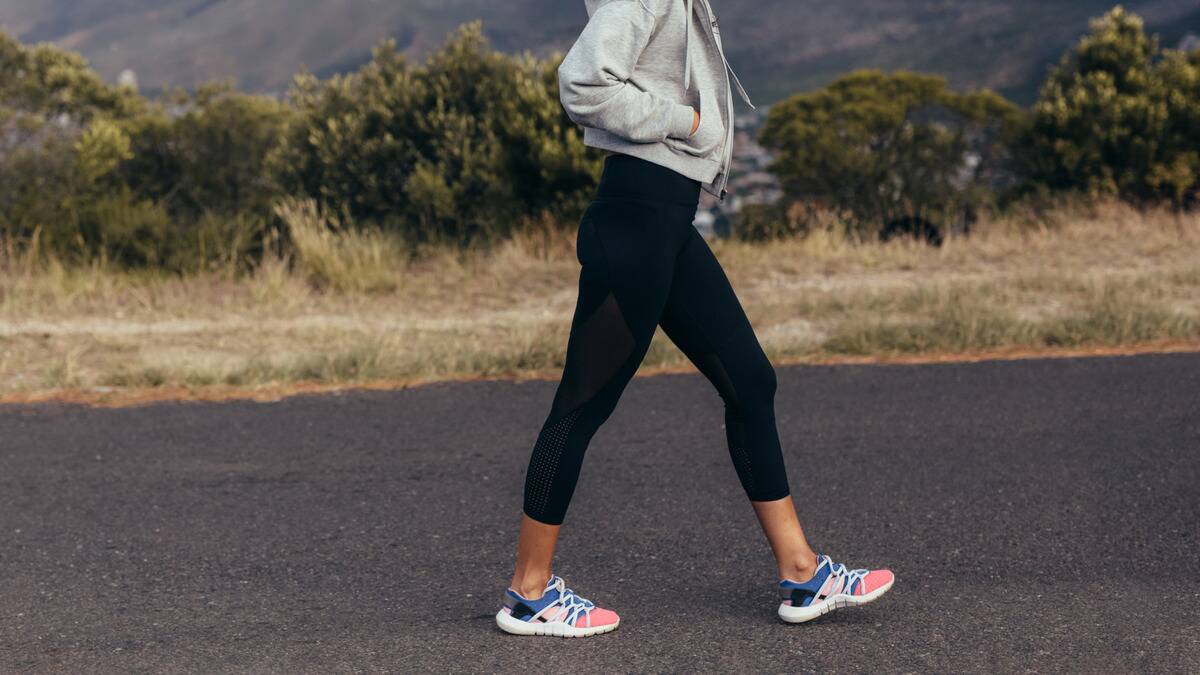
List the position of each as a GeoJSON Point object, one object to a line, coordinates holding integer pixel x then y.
{"type": "Point", "coordinates": [593, 78]}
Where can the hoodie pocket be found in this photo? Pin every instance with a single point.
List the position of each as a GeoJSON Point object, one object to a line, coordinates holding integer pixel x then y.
{"type": "Point", "coordinates": [711, 132]}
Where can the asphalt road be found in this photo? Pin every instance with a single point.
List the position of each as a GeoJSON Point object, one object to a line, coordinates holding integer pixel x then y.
{"type": "Point", "coordinates": [1039, 515]}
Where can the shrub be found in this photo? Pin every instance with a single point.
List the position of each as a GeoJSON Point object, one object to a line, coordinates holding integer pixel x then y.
{"type": "Point", "coordinates": [878, 149]}
{"type": "Point", "coordinates": [60, 140]}
{"type": "Point", "coordinates": [465, 147]}
{"type": "Point", "coordinates": [210, 154]}
{"type": "Point", "coordinates": [127, 232]}
{"type": "Point", "coordinates": [766, 222]}
{"type": "Point", "coordinates": [1119, 116]}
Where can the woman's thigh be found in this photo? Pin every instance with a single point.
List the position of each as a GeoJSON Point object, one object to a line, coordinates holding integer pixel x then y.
{"type": "Point", "coordinates": [703, 315]}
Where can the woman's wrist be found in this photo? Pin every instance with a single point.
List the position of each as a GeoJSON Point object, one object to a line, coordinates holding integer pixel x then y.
{"type": "Point", "coordinates": [683, 121]}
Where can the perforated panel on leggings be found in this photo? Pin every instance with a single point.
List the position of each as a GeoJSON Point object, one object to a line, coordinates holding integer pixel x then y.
{"type": "Point", "coordinates": [597, 350]}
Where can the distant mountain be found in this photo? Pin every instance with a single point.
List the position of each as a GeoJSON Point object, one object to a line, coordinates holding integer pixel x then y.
{"type": "Point", "coordinates": [779, 46]}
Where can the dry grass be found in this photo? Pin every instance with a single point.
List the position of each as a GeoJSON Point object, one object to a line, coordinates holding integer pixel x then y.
{"type": "Point", "coordinates": [357, 308]}
{"type": "Point", "coordinates": [339, 258]}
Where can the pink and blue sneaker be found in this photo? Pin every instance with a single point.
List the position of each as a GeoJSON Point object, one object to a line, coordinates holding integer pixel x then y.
{"type": "Point", "coordinates": [559, 612]}
{"type": "Point", "coordinates": [832, 587]}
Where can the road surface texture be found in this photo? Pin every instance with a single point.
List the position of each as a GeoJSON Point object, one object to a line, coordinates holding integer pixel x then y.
{"type": "Point", "coordinates": [1040, 515]}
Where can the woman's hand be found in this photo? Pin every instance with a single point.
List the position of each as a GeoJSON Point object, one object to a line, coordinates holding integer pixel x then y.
{"type": "Point", "coordinates": [695, 124]}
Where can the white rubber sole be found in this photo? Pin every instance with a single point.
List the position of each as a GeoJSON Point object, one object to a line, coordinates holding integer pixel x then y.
{"type": "Point", "coordinates": [801, 614]}
{"type": "Point", "coordinates": [553, 629]}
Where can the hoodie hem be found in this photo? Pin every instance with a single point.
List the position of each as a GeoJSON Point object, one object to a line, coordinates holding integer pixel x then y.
{"type": "Point", "coordinates": [699, 169]}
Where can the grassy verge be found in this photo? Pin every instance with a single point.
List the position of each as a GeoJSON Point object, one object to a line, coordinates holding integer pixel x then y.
{"type": "Point", "coordinates": [357, 309]}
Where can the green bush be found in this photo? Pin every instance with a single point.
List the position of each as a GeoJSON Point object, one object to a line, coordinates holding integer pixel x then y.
{"type": "Point", "coordinates": [211, 155]}
{"type": "Point", "coordinates": [767, 222]}
{"type": "Point", "coordinates": [468, 146]}
{"type": "Point", "coordinates": [472, 145]}
{"type": "Point", "coordinates": [878, 149]}
{"type": "Point", "coordinates": [1120, 116]}
{"type": "Point", "coordinates": [122, 230]}
{"type": "Point", "coordinates": [45, 83]}
{"type": "Point", "coordinates": [60, 141]}
{"type": "Point", "coordinates": [89, 171]}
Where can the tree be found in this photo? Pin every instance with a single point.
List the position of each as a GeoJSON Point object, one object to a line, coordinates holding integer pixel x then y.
{"type": "Point", "coordinates": [61, 138]}
{"type": "Point", "coordinates": [89, 170]}
{"type": "Point", "coordinates": [1177, 177]}
{"type": "Point", "coordinates": [1118, 115]}
{"type": "Point", "coordinates": [468, 145]}
{"type": "Point", "coordinates": [210, 154]}
{"type": "Point", "coordinates": [49, 82]}
{"type": "Point", "coordinates": [899, 151]}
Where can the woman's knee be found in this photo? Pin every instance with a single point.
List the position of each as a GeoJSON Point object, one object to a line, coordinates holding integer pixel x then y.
{"type": "Point", "coordinates": [759, 384]}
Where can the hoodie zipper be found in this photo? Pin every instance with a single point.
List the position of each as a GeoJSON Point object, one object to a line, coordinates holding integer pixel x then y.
{"type": "Point", "coordinates": [727, 160]}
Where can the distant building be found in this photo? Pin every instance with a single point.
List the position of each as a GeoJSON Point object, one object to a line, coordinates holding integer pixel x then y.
{"type": "Point", "coordinates": [705, 219]}
{"type": "Point", "coordinates": [128, 79]}
{"type": "Point", "coordinates": [750, 181]}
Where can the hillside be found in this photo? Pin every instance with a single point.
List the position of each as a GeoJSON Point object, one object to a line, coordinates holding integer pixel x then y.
{"type": "Point", "coordinates": [779, 45]}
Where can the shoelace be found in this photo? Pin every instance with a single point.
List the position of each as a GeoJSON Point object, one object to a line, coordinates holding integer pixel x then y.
{"type": "Point", "coordinates": [573, 604]}
{"type": "Point", "coordinates": [846, 577]}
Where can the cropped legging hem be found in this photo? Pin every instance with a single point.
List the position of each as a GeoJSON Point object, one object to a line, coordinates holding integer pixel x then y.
{"type": "Point", "coordinates": [644, 266]}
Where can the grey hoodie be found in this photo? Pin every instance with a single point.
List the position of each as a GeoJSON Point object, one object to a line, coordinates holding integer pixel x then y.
{"type": "Point", "coordinates": [637, 72]}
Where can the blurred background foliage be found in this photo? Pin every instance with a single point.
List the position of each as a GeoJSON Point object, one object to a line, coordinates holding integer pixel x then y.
{"type": "Point", "coordinates": [468, 146]}
{"type": "Point", "coordinates": [472, 146]}
{"type": "Point", "coordinates": [1120, 116]}
{"type": "Point", "coordinates": [895, 151]}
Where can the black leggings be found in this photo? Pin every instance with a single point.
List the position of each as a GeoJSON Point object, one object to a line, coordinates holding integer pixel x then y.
{"type": "Point", "coordinates": [644, 265]}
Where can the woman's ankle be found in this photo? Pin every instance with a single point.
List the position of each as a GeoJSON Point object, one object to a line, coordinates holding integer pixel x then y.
{"type": "Point", "coordinates": [799, 568]}
{"type": "Point", "coordinates": [530, 585]}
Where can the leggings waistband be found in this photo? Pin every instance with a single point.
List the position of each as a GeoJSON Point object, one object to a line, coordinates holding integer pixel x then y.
{"type": "Point", "coordinates": [633, 177]}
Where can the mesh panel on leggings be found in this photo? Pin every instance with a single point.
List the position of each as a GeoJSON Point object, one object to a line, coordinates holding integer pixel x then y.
{"type": "Point", "coordinates": [597, 350]}
{"type": "Point", "coordinates": [741, 463]}
{"type": "Point", "coordinates": [547, 452]}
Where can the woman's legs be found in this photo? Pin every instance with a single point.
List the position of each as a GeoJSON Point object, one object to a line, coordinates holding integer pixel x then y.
{"type": "Point", "coordinates": [626, 253]}
{"type": "Point", "coordinates": [704, 318]}
{"type": "Point", "coordinates": [643, 264]}
{"type": "Point", "coordinates": [795, 558]}
{"type": "Point", "coordinates": [626, 248]}
{"type": "Point", "coordinates": [535, 556]}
